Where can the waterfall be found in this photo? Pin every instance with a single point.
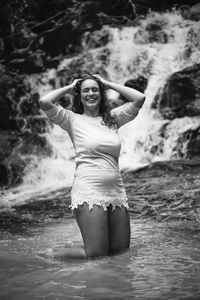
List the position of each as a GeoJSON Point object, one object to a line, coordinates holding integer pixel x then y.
{"type": "Point", "coordinates": [131, 55]}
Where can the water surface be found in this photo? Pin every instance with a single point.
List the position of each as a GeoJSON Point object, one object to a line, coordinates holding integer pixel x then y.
{"type": "Point", "coordinates": [163, 263]}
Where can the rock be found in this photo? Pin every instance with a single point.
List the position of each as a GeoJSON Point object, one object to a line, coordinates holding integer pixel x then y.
{"type": "Point", "coordinates": [139, 84]}
{"type": "Point", "coordinates": [16, 153]}
{"type": "Point", "coordinates": [11, 166]}
{"type": "Point", "coordinates": [193, 147]}
{"type": "Point", "coordinates": [29, 105]}
{"type": "Point", "coordinates": [192, 13]}
{"type": "Point", "coordinates": [193, 40]}
{"type": "Point", "coordinates": [163, 191]}
{"type": "Point", "coordinates": [167, 190]}
{"type": "Point", "coordinates": [10, 86]}
{"type": "Point", "coordinates": [21, 126]}
{"type": "Point", "coordinates": [180, 96]}
{"type": "Point", "coordinates": [188, 144]}
{"type": "Point", "coordinates": [4, 175]}
{"type": "Point", "coordinates": [33, 144]}
{"type": "Point", "coordinates": [2, 48]}
{"type": "Point", "coordinates": [8, 141]}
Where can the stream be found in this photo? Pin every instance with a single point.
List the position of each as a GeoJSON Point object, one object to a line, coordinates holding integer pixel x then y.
{"type": "Point", "coordinates": [163, 263]}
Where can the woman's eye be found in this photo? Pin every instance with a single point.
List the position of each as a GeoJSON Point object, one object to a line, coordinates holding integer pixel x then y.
{"type": "Point", "coordinates": [87, 90]}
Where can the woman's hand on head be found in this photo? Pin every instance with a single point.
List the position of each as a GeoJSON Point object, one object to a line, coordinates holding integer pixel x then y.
{"type": "Point", "coordinates": [102, 80]}
{"type": "Point", "coordinates": [73, 84]}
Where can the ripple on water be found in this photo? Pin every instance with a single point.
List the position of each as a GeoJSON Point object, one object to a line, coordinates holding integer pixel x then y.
{"type": "Point", "coordinates": [162, 263]}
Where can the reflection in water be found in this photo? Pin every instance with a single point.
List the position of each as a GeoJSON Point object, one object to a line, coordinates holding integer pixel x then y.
{"type": "Point", "coordinates": [161, 264]}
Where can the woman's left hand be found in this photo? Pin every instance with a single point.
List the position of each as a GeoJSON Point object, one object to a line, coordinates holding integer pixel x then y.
{"type": "Point", "coordinates": [102, 80]}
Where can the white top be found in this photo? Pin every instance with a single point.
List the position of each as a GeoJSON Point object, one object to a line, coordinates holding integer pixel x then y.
{"type": "Point", "coordinates": [97, 178]}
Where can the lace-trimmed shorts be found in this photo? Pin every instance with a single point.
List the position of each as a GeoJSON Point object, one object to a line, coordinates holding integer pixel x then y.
{"type": "Point", "coordinates": [102, 199]}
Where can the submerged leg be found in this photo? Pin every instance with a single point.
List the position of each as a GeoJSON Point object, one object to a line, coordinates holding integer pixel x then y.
{"type": "Point", "coordinates": [119, 229]}
{"type": "Point", "coordinates": [93, 225]}
{"type": "Point", "coordinates": [94, 229]}
{"type": "Point", "coordinates": [71, 252]}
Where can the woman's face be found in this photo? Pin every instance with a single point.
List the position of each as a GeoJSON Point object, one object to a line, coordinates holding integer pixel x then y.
{"type": "Point", "coordinates": [90, 95]}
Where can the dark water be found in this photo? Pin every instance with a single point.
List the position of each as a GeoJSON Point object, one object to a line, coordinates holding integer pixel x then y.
{"type": "Point", "coordinates": [163, 263]}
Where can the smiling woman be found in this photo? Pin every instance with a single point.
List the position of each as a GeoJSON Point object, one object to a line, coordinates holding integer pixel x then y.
{"type": "Point", "coordinates": [90, 97]}
{"type": "Point", "coordinates": [98, 196]}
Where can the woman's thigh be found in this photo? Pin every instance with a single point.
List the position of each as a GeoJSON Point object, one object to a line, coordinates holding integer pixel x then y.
{"type": "Point", "coordinates": [119, 229]}
{"type": "Point", "coordinates": [93, 225]}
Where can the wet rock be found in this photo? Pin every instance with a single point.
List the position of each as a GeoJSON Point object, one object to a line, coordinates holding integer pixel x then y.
{"type": "Point", "coordinates": [192, 13]}
{"type": "Point", "coordinates": [2, 48]}
{"type": "Point", "coordinates": [163, 191]}
{"type": "Point", "coordinates": [4, 175]}
{"type": "Point", "coordinates": [180, 95]}
{"type": "Point", "coordinates": [34, 144]}
{"type": "Point", "coordinates": [193, 40]}
{"type": "Point", "coordinates": [21, 126]}
{"type": "Point", "coordinates": [8, 142]}
{"type": "Point", "coordinates": [53, 205]}
{"type": "Point", "coordinates": [193, 147]}
{"type": "Point", "coordinates": [139, 83]}
{"type": "Point", "coordinates": [16, 150]}
{"type": "Point", "coordinates": [29, 105]}
{"type": "Point", "coordinates": [188, 144]}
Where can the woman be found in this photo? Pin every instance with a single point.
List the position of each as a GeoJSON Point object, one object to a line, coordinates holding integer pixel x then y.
{"type": "Point", "coordinates": [98, 196]}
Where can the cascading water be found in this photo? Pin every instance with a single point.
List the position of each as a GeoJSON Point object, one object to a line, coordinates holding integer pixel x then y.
{"type": "Point", "coordinates": [131, 55]}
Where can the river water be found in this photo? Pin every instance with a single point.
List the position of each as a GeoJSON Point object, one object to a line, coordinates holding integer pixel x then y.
{"type": "Point", "coordinates": [162, 263]}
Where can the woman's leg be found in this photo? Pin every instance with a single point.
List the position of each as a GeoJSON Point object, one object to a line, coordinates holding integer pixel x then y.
{"type": "Point", "coordinates": [94, 229]}
{"type": "Point", "coordinates": [71, 252]}
{"type": "Point", "coordinates": [93, 225]}
{"type": "Point", "coordinates": [119, 229]}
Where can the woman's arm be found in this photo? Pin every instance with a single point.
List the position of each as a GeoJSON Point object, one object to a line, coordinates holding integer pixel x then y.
{"type": "Point", "coordinates": [130, 94]}
{"type": "Point", "coordinates": [48, 100]}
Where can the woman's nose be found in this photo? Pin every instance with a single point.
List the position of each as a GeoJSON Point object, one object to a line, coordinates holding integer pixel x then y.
{"type": "Point", "coordinates": [90, 92]}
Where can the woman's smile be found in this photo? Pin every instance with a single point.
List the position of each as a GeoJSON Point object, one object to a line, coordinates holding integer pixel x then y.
{"type": "Point", "coordinates": [90, 94]}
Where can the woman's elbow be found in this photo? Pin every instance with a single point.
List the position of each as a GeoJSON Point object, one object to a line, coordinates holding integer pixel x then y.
{"type": "Point", "coordinates": [44, 104]}
{"type": "Point", "coordinates": [139, 103]}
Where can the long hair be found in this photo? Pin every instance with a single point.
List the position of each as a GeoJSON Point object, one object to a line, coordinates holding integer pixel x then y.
{"type": "Point", "coordinates": [104, 105]}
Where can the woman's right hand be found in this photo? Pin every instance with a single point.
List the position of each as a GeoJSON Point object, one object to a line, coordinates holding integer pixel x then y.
{"type": "Point", "coordinates": [73, 84]}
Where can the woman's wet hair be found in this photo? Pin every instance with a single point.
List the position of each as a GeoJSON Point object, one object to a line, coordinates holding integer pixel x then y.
{"type": "Point", "coordinates": [104, 105]}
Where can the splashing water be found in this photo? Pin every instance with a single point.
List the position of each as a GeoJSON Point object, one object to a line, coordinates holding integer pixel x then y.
{"type": "Point", "coordinates": [132, 56]}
